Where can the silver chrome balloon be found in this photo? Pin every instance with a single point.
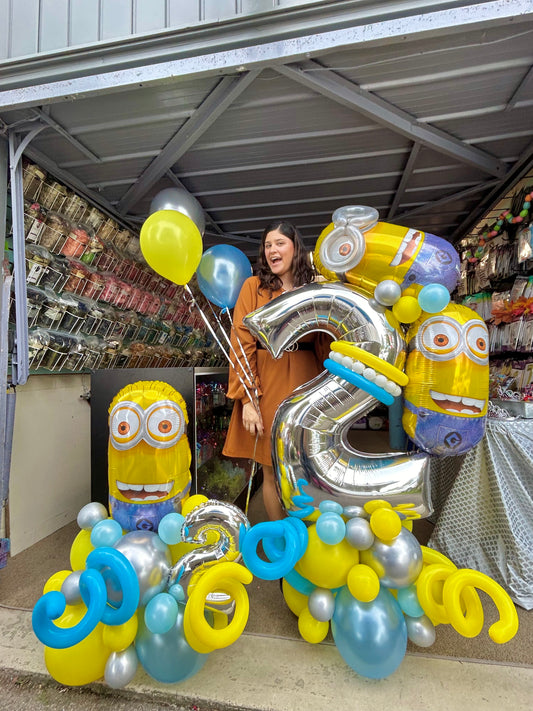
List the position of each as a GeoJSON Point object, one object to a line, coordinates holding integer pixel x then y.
{"type": "Point", "coordinates": [321, 604]}
{"type": "Point", "coordinates": [230, 523]}
{"type": "Point", "coordinates": [121, 667]}
{"type": "Point", "coordinates": [70, 588]}
{"type": "Point", "coordinates": [91, 514]}
{"type": "Point", "coordinates": [398, 564]}
{"type": "Point", "coordinates": [311, 455]}
{"type": "Point", "coordinates": [182, 201]}
{"type": "Point", "coordinates": [359, 534]}
{"type": "Point", "coordinates": [151, 560]}
{"type": "Point", "coordinates": [420, 630]}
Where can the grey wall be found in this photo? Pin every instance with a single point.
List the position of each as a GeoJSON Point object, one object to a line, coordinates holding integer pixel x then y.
{"type": "Point", "coordinates": [29, 27]}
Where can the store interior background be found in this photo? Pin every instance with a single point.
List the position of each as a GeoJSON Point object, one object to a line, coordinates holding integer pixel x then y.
{"type": "Point", "coordinates": [425, 114]}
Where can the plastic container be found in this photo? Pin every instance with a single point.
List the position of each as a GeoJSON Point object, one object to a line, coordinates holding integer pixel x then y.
{"type": "Point", "coordinates": [55, 231]}
{"type": "Point", "coordinates": [38, 340]}
{"type": "Point", "coordinates": [51, 311]}
{"type": "Point", "coordinates": [121, 239]}
{"type": "Point", "coordinates": [75, 311]}
{"type": "Point", "coordinates": [75, 207]}
{"type": "Point", "coordinates": [133, 324]}
{"type": "Point", "coordinates": [56, 274]}
{"type": "Point", "coordinates": [94, 348]}
{"type": "Point", "coordinates": [95, 246]}
{"type": "Point", "coordinates": [75, 358]}
{"type": "Point", "coordinates": [94, 218]}
{"type": "Point", "coordinates": [35, 298]}
{"type": "Point", "coordinates": [33, 178]}
{"type": "Point", "coordinates": [56, 353]}
{"type": "Point", "coordinates": [78, 275]}
{"type": "Point", "coordinates": [76, 242]}
{"type": "Point", "coordinates": [53, 195]}
{"type": "Point", "coordinates": [34, 217]}
{"type": "Point", "coordinates": [94, 283]}
{"type": "Point", "coordinates": [105, 324]}
{"type": "Point", "coordinates": [37, 260]}
{"type": "Point", "coordinates": [107, 229]}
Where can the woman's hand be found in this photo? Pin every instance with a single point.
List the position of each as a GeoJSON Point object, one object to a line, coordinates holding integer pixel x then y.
{"type": "Point", "coordinates": [251, 419]}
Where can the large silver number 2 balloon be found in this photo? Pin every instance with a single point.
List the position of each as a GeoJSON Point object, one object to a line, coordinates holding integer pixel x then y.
{"type": "Point", "coordinates": [311, 454]}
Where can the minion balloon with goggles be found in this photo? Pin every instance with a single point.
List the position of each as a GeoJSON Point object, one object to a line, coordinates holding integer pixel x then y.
{"type": "Point", "coordinates": [446, 398]}
{"type": "Point", "coordinates": [149, 456]}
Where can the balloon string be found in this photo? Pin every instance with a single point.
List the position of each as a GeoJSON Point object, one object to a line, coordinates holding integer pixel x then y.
{"type": "Point", "coordinates": [252, 398]}
{"type": "Point", "coordinates": [252, 474]}
{"type": "Point", "coordinates": [227, 312]}
{"type": "Point", "coordinates": [248, 373]}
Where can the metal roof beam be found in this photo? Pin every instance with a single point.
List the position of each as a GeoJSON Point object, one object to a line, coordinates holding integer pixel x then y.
{"type": "Point", "coordinates": [430, 206]}
{"type": "Point", "coordinates": [406, 175]}
{"type": "Point", "coordinates": [520, 168]}
{"type": "Point", "coordinates": [386, 114]}
{"type": "Point", "coordinates": [226, 91]}
{"type": "Point", "coordinates": [46, 118]}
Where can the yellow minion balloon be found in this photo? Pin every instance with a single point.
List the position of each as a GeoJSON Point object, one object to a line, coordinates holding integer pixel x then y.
{"type": "Point", "coordinates": [357, 249]}
{"type": "Point", "coordinates": [446, 399]}
{"type": "Point", "coordinates": [149, 456]}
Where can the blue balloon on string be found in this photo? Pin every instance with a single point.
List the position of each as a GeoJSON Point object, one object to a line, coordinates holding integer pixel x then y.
{"type": "Point", "coordinates": [221, 273]}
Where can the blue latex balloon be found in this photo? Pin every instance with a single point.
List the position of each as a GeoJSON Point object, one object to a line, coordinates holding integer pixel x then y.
{"type": "Point", "coordinates": [167, 658]}
{"type": "Point", "coordinates": [169, 529]}
{"type": "Point", "coordinates": [161, 613]}
{"type": "Point", "coordinates": [330, 528]}
{"type": "Point", "coordinates": [408, 601]}
{"type": "Point", "coordinates": [282, 543]}
{"type": "Point", "coordinates": [106, 533]}
{"type": "Point", "coordinates": [115, 563]}
{"type": "Point", "coordinates": [371, 636]}
{"type": "Point", "coordinates": [433, 298]}
{"type": "Point", "coordinates": [221, 273]}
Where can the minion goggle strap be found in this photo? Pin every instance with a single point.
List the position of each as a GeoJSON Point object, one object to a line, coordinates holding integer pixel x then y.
{"type": "Point", "coordinates": [442, 338]}
{"type": "Point", "coordinates": [161, 425]}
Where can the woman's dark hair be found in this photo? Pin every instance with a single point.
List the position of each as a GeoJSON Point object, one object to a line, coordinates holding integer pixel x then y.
{"type": "Point", "coordinates": [302, 269]}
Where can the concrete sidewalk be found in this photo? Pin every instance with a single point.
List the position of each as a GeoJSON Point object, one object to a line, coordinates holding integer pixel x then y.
{"type": "Point", "coordinates": [261, 672]}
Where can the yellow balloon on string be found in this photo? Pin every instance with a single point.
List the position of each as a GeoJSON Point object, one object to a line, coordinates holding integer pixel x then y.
{"type": "Point", "coordinates": [171, 244]}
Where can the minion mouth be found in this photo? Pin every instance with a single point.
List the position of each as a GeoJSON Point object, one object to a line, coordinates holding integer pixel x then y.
{"type": "Point", "coordinates": [456, 404]}
{"type": "Point", "coordinates": [407, 248]}
{"type": "Point", "coordinates": [144, 492]}
{"type": "Point", "coordinates": [368, 373]}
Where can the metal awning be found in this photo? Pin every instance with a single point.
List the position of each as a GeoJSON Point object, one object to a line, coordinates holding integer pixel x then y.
{"type": "Point", "coordinates": [423, 111]}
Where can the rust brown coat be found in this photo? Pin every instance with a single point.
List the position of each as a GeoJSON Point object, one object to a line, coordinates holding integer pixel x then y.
{"type": "Point", "coordinates": [275, 378]}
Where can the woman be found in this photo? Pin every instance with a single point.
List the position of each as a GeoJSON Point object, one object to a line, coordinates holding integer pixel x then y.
{"type": "Point", "coordinates": [283, 265]}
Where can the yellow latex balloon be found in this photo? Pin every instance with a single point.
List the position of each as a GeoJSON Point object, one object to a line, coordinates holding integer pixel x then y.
{"type": "Point", "coordinates": [385, 524]}
{"type": "Point", "coordinates": [312, 630]}
{"type": "Point", "coordinates": [192, 502]}
{"type": "Point", "coordinates": [407, 309]}
{"type": "Point", "coordinates": [222, 577]}
{"type": "Point", "coordinates": [296, 601]}
{"type": "Point", "coordinates": [363, 583]}
{"type": "Point", "coordinates": [80, 549]}
{"type": "Point", "coordinates": [324, 565]}
{"type": "Point", "coordinates": [171, 244]}
{"type": "Point", "coordinates": [119, 637]}
{"type": "Point", "coordinates": [470, 623]}
{"type": "Point", "coordinates": [55, 581]}
{"type": "Point", "coordinates": [82, 663]}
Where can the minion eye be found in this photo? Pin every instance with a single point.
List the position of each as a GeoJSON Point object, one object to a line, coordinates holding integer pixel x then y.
{"type": "Point", "coordinates": [165, 423]}
{"type": "Point", "coordinates": [477, 339]}
{"type": "Point", "coordinates": [440, 338]}
{"type": "Point", "coordinates": [125, 425]}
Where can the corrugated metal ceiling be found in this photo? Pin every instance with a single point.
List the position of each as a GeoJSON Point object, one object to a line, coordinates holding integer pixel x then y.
{"type": "Point", "coordinates": [430, 129]}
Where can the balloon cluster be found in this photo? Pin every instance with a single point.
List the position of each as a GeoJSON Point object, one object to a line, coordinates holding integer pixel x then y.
{"type": "Point", "coordinates": [361, 571]}
{"type": "Point", "coordinates": [171, 242]}
{"type": "Point", "coordinates": [163, 599]}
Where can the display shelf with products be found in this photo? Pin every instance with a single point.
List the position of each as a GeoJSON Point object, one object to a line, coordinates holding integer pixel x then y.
{"type": "Point", "coordinates": [497, 282]}
{"type": "Point", "coordinates": [217, 476]}
{"type": "Point", "coordinates": [89, 289]}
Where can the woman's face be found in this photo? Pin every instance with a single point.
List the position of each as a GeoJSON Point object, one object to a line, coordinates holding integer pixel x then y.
{"type": "Point", "coordinates": [279, 253]}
